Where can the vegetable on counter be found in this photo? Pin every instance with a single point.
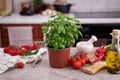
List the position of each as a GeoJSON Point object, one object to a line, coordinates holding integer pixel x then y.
{"type": "Point", "coordinates": [98, 55]}
{"type": "Point", "coordinates": [19, 65]}
{"type": "Point", "coordinates": [24, 50]}
{"type": "Point", "coordinates": [78, 61]}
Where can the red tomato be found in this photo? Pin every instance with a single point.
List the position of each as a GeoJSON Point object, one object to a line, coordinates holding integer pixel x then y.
{"type": "Point", "coordinates": [26, 46]}
{"type": "Point", "coordinates": [82, 55]}
{"type": "Point", "coordinates": [14, 52]}
{"type": "Point", "coordinates": [11, 52]}
{"type": "Point", "coordinates": [34, 47]}
{"type": "Point", "coordinates": [18, 52]}
{"type": "Point", "coordinates": [76, 65]}
{"type": "Point", "coordinates": [6, 49]}
{"type": "Point", "coordinates": [77, 57]}
{"type": "Point", "coordinates": [86, 59]}
{"type": "Point", "coordinates": [83, 61]}
{"type": "Point", "coordinates": [19, 64]}
{"type": "Point", "coordinates": [25, 50]}
{"type": "Point", "coordinates": [72, 60]}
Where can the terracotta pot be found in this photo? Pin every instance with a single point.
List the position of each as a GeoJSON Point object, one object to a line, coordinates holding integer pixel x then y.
{"type": "Point", "coordinates": [58, 58]}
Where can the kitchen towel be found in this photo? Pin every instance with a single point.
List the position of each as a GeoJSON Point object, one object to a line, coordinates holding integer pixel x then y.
{"type": "Point", "coordinates": [7, 61]}
{"type": "Point", "coordinates": [21, 35]}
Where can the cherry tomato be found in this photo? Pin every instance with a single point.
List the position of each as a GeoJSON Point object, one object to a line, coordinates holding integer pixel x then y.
{"type": "Point", "coordinates": [18, 52]}
{"type": "Point", "coordinates": [83, 61]}
{"type": "Point", "coordinates": [82, 55]}
{"type": "Point", "coordinates": [19, 64]}
{"type": "Point", "coordinates": [72, 60]}
{"type": "Point", "coordinates": [34, 47]}
{"type": "Point", "coordinates": [6, 49]}
{"type": "Point", "coordinates": [77, 57]}
{"type": "Point", "coordinates": [86, 59]}
{"type": "Point", "coordinates": [76, 65]}
{"type": "Point", "coordinates": [25, 50]}
{"type": "Point", "coordinates": [11, 52]}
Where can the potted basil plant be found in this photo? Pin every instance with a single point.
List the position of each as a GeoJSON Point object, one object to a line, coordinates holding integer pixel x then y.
{"type": "Point", "coordinates": [61, 31]}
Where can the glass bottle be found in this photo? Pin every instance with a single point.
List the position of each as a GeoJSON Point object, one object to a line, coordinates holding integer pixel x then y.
{"type": "Point", "coordinates": [113, 53]}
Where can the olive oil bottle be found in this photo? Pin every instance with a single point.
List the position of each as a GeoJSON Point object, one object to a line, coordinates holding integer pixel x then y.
{"type": "Point", "coordinates": [113, 53]}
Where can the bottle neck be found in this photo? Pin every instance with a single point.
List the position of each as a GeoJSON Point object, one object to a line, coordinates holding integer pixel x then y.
{"type": "Point", "coordinates": [116, 44]}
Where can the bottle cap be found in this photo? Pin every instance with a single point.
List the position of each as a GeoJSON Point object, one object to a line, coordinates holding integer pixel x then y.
{"type": "Point", "coordinates": [115, 33]}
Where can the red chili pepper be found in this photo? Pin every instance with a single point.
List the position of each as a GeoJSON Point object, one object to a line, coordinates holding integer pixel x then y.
{"type": "Point", "coordinates": [98, 59]}
{"type": "Point", "coordinates": [100, 53]}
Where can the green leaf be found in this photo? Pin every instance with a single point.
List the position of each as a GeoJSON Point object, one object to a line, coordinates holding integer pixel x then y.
{"type": "Point", "coordinates": [45, 29]}
{"type": "Point", "coordinates": [78, 26]}
{"type": "Point", "coordinates": [73, 40]}
{"type": "Point", "coordinates": [61, 30]}
{"type": "Point", "coordinates": [62, 46]}
{"type": "Point", "coordinates": [80, 34]}
{"type": "Point", "coordinates": [52, 16]}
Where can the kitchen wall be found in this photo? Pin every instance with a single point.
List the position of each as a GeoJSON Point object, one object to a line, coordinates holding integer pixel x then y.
{"type": "Point", "coordinates": [17, 5]}
{"type": "Point", "coordinates": [94, 5]}
{"type": "Point", "coordinates": [83, 5]}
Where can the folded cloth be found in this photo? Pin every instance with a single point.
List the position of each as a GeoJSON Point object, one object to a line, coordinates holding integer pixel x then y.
{"type": "Point", "coordinates": [20, 35]}
{"type": "Point", "coordinates": [7, 61]}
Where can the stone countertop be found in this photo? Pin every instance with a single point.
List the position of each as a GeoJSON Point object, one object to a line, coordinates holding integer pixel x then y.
{"type": "Point", "coordinates": [37, 19]}
{"type": "Point", "coordinates": [18, 19]}
{"type": "Point", "coordinates": [42, 71]}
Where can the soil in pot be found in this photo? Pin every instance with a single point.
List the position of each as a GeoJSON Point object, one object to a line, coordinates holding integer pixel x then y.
{"type": "Point", "coordinates": [59, 58]}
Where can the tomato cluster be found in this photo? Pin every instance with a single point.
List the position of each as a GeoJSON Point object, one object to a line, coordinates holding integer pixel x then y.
{"type": "Point", "coordinates": [14, 50]}
{"type": "Point", "coordinates": [78, 61]}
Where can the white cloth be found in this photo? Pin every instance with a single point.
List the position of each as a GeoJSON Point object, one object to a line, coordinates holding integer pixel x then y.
{"type": "Point", "coordinates": [7, 61]}
{"type": "Point", "coordinates": [20, 35]}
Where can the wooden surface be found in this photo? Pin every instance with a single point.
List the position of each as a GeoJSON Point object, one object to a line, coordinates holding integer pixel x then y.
{"type": "Point", "coordinates": [92, 69]}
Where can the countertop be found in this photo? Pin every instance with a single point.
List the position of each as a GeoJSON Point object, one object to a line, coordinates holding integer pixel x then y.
{"type": "Point", "coordinates": [15, 18]}
{"type": "Point", "coordinates": [42, 71]}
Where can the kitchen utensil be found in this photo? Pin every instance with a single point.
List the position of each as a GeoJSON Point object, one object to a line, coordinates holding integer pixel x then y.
{"type": "Point", "coordinates": [64, 8]}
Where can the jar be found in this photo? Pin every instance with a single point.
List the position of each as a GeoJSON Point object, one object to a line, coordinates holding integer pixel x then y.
{"type": "Point", "coordinates": [113, 53]}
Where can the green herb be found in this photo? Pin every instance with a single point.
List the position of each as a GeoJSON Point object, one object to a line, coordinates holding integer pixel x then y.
{"type": "Point", "coordinates": [61, 31]}
{"type": "Point", "coordinates": [30, 52]}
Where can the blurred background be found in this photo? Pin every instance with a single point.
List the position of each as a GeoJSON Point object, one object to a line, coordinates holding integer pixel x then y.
{"type": "Point", "coordinates": [81, 5]}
